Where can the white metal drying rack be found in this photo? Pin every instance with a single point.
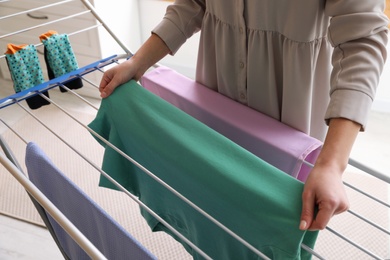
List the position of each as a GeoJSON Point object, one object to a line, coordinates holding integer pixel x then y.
{"type": "Point", "coordinates": [7, 159]}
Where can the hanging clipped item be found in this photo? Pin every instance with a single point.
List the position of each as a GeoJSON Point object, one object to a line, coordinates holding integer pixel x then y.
{"type": "Point", "coordinates": [60, 58]}
{"type": "Point", "coordinates": [26, 72]}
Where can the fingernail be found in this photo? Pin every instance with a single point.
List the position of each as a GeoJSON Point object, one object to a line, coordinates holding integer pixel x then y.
{"type": "Point", "coordinates": [103, 94]}
{"type": "Point", "coordinates": [303, 225]}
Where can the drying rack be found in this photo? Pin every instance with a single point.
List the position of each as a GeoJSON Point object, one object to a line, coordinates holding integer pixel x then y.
{"type": "Point", "coordinates": [333, 239]}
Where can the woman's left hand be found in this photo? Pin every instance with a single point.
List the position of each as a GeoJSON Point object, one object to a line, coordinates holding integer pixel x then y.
{"type": "Point", "coordinates": [323, 197]}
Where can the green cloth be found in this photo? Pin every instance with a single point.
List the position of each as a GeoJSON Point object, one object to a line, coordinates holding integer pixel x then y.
{"type": "Point", "coordinates": [258, 202]}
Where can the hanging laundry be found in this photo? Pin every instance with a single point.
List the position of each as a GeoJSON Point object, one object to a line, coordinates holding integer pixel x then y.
{"type": "Point", "coordinates": [60, 58]}
{"type": "Point", "coordinates": [97, 226]}
{"type": "Point", "coordinates": [258, 202]}
{"type": "Point", "coordinates": [26, 71]}
{"type": "Point", "coordinates": [276, 143]}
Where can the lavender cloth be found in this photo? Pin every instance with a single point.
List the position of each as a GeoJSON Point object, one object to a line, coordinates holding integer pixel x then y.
{"type": "Point", "coordinates": [276, 143]}
{"type": "Point", "coordinates": [100, 228]}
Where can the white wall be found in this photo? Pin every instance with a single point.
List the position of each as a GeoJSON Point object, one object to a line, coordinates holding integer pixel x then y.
{"type": "Point", "coordinates": [382, 100]}
{"type": "Point", "coordinates": [122, 17]}
{"type": "Point", "coordinates": [184, 61]}
{"type": "Point", "coordinates": [132, 21]}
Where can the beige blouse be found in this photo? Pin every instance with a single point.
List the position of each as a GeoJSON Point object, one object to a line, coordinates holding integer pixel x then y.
{"type": "Point", "coordinates": [298, 61]}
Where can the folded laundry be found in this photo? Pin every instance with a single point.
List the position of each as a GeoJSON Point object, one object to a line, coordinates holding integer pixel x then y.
{"type": "Point", "coordinates": [257, 201]}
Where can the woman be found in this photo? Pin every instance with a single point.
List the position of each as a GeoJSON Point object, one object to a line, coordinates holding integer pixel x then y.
{"type": "Point", "coordinates": [313, 65]}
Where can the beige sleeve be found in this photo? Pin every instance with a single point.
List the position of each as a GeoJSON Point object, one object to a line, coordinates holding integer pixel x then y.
{"type": "Point", "coordinates": [181, 21]}
{"type": "Point", "coordinates": [358, 32]}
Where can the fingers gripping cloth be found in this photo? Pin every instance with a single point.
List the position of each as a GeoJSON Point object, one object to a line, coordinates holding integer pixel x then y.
{"type": "Point", "coordinates": [26, 72]}
{"type": "Point", "coordinates": [60, 58]}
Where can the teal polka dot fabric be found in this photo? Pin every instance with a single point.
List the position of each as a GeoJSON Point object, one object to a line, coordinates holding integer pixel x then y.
{"type": "Point", "coordinates": [60, 55]}
{"type": "Point", "coordinates": [25, 68]}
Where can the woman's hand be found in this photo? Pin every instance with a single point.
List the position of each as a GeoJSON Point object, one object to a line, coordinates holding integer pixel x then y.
{"type": "Point", "coordinates": [153, 50]}
{"type": "Point", "coordinates": [324, 195]}
{"type": "Point", "coordinates": [116, 76]}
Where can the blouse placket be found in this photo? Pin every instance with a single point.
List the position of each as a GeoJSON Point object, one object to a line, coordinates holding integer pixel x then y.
{"type": "Point", "coordinates": [241, 37]}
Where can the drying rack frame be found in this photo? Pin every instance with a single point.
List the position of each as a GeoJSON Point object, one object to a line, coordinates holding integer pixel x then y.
{"type": "Point", "coordinates": [8, 161]}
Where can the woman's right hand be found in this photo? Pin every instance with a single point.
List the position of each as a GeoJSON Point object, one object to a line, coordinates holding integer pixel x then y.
{"type": "Point", "coordinates": [150, 52]}
{"type": "Point", "coordinates": [117, 76]}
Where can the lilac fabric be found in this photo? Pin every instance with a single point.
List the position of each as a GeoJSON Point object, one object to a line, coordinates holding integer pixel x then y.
{"type": "Point", "coordinates": [276, 143]}
{"type": "Point", "coordinates": [111, 239]}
